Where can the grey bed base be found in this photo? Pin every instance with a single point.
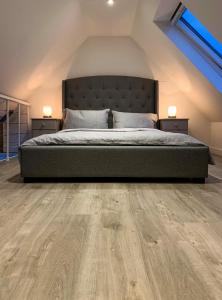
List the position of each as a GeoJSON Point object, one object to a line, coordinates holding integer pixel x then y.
{"type": "Point", "coordinates": [122, 93]}
{"type": "Point", "coordinates": [114, 161]}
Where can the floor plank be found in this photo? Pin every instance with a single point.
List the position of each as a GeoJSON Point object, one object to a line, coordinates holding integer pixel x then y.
{"type": "Point", "coordinates": [130, 241]}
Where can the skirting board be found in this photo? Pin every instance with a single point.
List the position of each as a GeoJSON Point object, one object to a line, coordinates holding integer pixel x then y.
{"type": "Point", "coordinates": [216, 151]}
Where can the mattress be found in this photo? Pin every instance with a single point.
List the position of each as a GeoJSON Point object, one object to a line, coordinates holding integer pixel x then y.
{"type": "Point", "coordinates": [125, 136]}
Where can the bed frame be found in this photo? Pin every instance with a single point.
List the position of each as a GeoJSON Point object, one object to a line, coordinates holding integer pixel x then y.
{"type": "Point", "coordinates": [126, 94]}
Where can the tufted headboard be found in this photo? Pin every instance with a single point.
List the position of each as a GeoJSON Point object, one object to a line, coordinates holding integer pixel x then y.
{"type": "Point", "coordinates": [121, 93]}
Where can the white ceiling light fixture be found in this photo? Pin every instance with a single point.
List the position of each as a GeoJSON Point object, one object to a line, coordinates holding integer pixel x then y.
{"type": "Point", "coordinates": [110, 2]}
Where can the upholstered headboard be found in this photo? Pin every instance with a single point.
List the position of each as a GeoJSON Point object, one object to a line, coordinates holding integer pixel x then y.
{"type": "Point", "coordinates": [121, 93]}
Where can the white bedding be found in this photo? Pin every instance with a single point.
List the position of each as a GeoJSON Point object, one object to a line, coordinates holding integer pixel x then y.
{"type": "Point", "coordinates": [125, 136]}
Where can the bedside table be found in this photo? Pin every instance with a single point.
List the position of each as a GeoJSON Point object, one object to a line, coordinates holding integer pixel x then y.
{"type": "Point", "coordinates": [174, 125]}
{"type": "Point", "coordinates": [45, 126]}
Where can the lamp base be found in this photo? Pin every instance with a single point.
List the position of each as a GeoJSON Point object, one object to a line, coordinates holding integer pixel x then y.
{"type": "Point", "coordinates": [172, 117]}
{"type": "Point", "coordinates": [47, 117]}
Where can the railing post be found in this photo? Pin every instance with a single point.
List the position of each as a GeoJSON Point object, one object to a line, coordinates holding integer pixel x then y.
{"type": "Point", "coordinates": [7, 130]}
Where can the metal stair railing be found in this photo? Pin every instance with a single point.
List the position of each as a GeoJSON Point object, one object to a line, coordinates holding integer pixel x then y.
{"type": "Point", "coordinates": [6, 119]}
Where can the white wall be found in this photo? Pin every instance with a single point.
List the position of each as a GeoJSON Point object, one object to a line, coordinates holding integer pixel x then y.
{"type": "Point", "coordinates": [180, 82]}
{"type": "Point", "coordinates": [216, 137]}
{"type": "Point", "coordinates": [95, 56]}
{"type": "Point", "coordinates": [36, 38]}
{"type": "Point", "coordinates": [123, 56]}
{"type": "Point", "coordinates": [199, 125]}
{"type": "Point", "coordinates": [109, 56]}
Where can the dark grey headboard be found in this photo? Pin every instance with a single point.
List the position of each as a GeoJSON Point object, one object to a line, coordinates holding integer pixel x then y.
{"type": "Point", "coordinates": [121, 93]}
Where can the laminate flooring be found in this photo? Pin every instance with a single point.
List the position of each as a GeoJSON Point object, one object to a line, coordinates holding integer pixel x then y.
{"type": "Point", "coordinates": [110, 241]}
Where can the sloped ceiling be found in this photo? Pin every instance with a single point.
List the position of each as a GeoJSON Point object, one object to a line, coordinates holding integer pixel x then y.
{"type": "Point", "coordinates": [169, 64]}
{"type": "Point", "coordinates": [100, 20]}
{"type": "Point", "coordinates": [37, 38]}
{"type": "Point", "coordinates": [41, 40]}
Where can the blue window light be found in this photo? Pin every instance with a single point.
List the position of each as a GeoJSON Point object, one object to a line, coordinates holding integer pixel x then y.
{"type": "Point", "coordinates": [201, 31]}
{"type": "Point", "coordinates": [195, 41]}
{"type": "Point", "coordinates": [201, 36]}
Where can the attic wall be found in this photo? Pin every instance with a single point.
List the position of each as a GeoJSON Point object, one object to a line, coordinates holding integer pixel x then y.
{"type": "Point", "coordinates": [178, 75]}
{"type": "Point", "coordinates": [109, 56]}
{"type": "Point", "coordinates": [211, 18]}
{"type": "Point", "coordinates": [216, 137]}
{"type": "Point", "coordinates": [37, 40]}
{"type": "Point", "coordinates": [199, 125]}
{"type": "Point", "coordinates": [44, 46]}
{"type": "Point", "coordinates": [96, 56]}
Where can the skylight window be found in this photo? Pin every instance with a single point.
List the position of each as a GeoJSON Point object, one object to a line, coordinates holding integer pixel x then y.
{"type": "Point", "coordinates": [206, 42]}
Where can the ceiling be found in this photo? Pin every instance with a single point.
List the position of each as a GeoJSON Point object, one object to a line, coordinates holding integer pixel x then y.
{"type": "Point", "coordinates": [100, 19]}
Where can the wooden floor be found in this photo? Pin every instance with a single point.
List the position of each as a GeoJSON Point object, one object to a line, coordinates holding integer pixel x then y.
{"type": "Point", "coordinates": [140, 241]}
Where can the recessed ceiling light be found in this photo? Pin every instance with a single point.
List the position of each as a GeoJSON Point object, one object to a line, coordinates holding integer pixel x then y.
{"type": "Point", "coordinates": [110, 2]}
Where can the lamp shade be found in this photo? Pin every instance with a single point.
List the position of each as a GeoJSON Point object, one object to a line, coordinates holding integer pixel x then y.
{"type": "Point", "coordinates": [172, 112]}
{"type": "Point", "coordinates": [47, 111]}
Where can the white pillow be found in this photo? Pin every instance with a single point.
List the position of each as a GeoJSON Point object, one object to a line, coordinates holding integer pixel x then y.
{"type": "Point", "coordinates": [134, 120]}
{"type": "Point", "coordinates": [97, 119]}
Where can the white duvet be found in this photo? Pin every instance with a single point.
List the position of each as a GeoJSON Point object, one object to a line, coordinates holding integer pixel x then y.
{"type": "Point", "coordinates": [125, 136]}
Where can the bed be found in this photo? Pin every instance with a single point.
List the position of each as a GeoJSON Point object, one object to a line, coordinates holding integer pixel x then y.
{"type": "Point", "coordinates": [125, 94]}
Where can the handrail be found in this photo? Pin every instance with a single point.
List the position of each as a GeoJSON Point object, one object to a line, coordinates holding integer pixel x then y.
{"type": "Point", "coordinates": [5, 97]}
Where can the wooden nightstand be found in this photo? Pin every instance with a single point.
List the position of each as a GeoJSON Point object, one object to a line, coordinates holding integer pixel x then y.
{"type": "Point", "coordinates": [174, 125]}
{"type": "Point", "coordinates": [45, 126]}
